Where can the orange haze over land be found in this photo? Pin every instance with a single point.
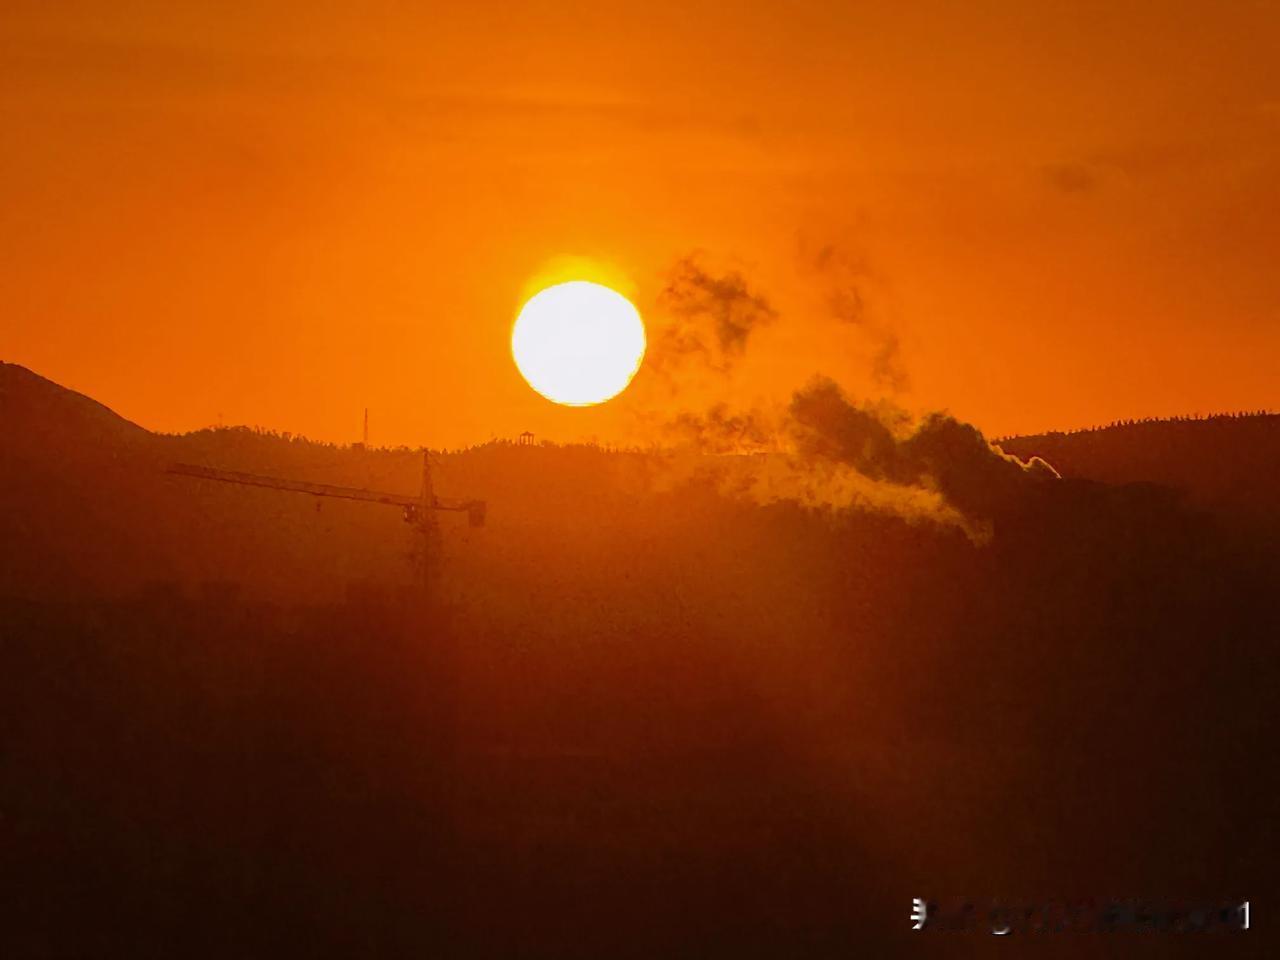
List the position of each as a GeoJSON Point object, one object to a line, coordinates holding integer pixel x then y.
{"type": "Point", "coordinates": [279, 214]}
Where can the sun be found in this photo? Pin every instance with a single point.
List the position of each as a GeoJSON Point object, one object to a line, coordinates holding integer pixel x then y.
{"type": "Point", "coordinates": [578, 343]}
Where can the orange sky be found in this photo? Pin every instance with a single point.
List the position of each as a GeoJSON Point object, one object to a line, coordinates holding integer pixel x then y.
{"type": "Point", "coordinates": [281, 213]}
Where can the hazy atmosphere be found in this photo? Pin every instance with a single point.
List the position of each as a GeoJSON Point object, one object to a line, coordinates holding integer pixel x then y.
{"type": "Point", "coordinates": [550, 480]}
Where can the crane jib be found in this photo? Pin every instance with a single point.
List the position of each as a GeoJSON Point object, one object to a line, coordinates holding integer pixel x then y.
{"type": "Point", "coordinates": [475, 509]}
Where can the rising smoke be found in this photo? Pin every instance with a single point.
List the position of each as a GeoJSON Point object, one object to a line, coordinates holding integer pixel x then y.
{"type": "Point", "coordinates": [857, 297]}
{"type": "Point", "coordinates": [820, 447]}
{"type": "Point", "coordinates": [709, 319]}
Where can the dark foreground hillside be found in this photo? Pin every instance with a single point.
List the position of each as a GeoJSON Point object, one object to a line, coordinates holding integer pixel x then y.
{"type": "Point", "coordinates": [643, 717]}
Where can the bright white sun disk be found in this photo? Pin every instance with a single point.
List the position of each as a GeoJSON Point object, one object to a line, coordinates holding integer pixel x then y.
{"type": "Point", "coordinates": [578, 343]}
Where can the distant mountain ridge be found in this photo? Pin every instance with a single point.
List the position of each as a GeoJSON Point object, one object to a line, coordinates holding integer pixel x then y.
{"type": "Point", "coordinates": [1221, 455]}
{"type": "Point", "coordinates": [86, 506]}
{"type": "Point", "coordinates": [1229, 461]}
{"type": "Point", "coordinates": [32, 406]}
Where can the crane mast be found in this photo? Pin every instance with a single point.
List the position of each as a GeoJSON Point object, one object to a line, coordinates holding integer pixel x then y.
{"type": "Point", "coordinates": [420, 511]}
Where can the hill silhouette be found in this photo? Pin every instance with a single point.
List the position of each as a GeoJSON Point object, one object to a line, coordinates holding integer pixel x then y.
{"type": "Point", "coordinates": [1226, 462]}
{"type": "Point", "coordinates": [42, 417]}
{"type": "Point", "coordinates": [653, 713]}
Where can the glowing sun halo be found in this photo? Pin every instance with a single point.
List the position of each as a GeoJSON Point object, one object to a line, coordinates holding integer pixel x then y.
{"type": "Point", "coordinates": [578, 343]}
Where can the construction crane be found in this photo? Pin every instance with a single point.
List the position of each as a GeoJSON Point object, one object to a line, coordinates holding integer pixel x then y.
{"type": "Point", "coordinates": [418, 511]}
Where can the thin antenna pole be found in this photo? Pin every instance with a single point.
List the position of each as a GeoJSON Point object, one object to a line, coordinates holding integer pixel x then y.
{"type": "Point", "coordinates": [366, 428]}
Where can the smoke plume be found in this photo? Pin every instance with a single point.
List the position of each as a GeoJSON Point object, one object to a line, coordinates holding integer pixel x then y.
{"type": "Point", "coordinates": [721, 430]}
{"type": "Point", "coordinates": [937, 467]}
{"type": "Point", "coordinates": [857, 296]}
{"type": "Point", "coordinates": [710, 318]}
{"type": "Point", "coordinates": [819, 447]}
